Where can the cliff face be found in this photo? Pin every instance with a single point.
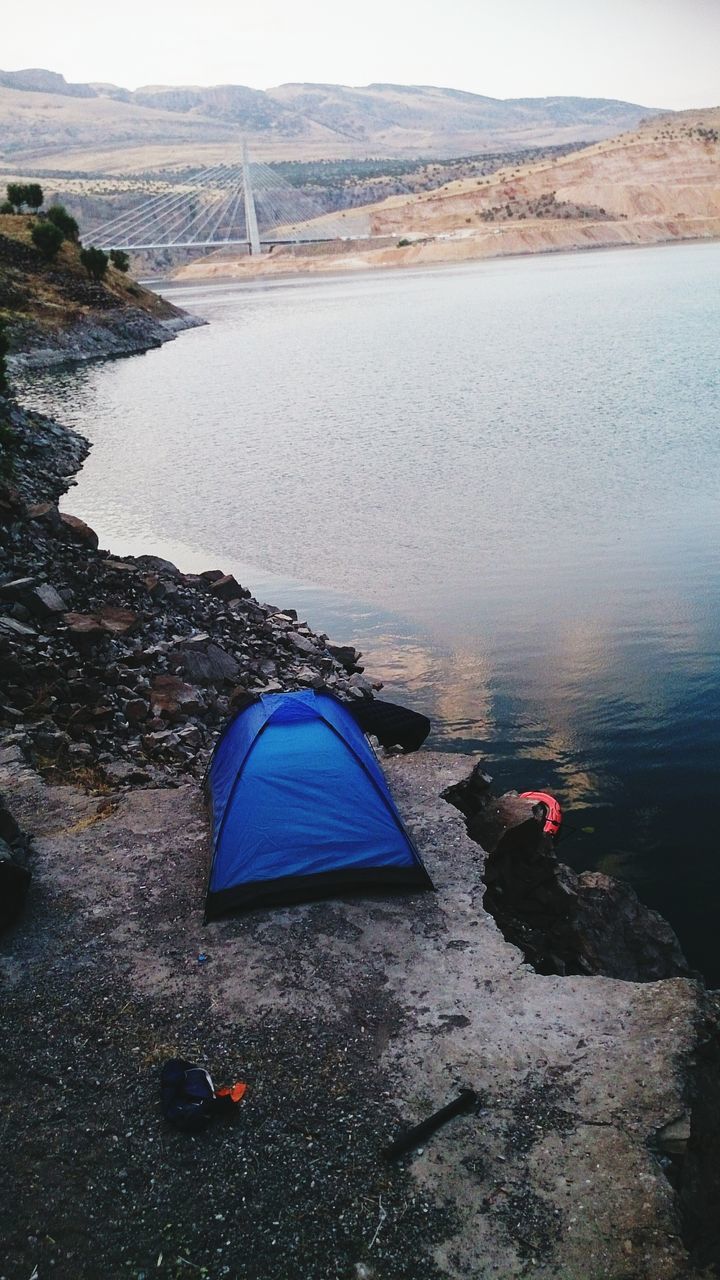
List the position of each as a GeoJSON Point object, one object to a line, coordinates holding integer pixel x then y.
{"type": "Point", "coordinates": [55, 312]}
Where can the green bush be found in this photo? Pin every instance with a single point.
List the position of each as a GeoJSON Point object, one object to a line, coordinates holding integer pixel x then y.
{"type": "Point", "coordinates": [25, 193]}
{"type": "Point", "coordinates": [7, 207]}
{"type": "Point", "coordinates": [120, 260]}
{"type": "Point", "coordinates": [59, 216]}
{"type": "Point", "coordinates": [47, 238]}
{"type": "Point", "coordinates": [95, 262]}
{"type": "Point", "coordinates": [403, 244]}
{"type": "Point", "coordinates": [34, 196]}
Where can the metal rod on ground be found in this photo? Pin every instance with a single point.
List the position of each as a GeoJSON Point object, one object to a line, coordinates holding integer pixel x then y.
{"type": "Point", "coordinates": [466, 1101]}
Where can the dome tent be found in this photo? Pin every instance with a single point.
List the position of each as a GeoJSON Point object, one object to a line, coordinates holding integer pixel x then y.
{"type": "Point", "coordinates": [300, 809]}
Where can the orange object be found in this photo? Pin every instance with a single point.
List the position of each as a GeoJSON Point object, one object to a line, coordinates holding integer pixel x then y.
{"type": "Point", "coordinates": [235, 1092]}
{"type": "Point", "coordinates": [553, 812]}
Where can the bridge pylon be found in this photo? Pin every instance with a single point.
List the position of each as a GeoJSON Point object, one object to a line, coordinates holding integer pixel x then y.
{"type": "Point", "coordinates": [251, 225]}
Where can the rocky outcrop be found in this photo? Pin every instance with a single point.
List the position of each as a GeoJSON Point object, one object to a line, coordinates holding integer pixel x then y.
{"type": "Point", "coordinates": [563, 922]}
{"type": "Point", "coordinates": [122, 332]}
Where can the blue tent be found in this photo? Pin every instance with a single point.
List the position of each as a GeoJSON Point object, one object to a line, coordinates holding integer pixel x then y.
{"type": "Point", "coordinates": [301, 809]}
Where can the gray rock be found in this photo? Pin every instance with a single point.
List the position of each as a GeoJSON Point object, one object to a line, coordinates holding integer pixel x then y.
{"type": "Point", "coordinates": [15, 628]}
{"type": "Point", "coordinates": [211, 665]}
{"type": "Point", "coordinates": [302, 643]}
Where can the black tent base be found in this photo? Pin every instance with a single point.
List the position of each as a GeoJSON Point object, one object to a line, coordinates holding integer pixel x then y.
{"type": "Point", "coordinates": [288, 890]}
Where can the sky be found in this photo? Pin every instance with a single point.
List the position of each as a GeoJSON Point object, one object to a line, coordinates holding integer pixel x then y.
{"type": "Point", "coordinates": [663, 53]}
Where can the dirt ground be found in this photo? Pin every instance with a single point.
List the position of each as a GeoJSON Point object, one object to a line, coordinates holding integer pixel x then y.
{"type": "Point", "coordinates": [348, 1020]}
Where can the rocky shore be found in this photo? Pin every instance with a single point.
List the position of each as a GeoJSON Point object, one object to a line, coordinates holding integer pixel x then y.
{"type": "Point", "coordinates": [592, 1151]}
{"type": "Point", "coordinates": [126, 668]}
{"type": "Point", "coordinates": [121, 332]}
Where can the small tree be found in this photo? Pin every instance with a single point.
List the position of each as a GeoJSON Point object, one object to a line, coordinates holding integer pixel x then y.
{"type": "Point", "coordinates": [34, 196]}
{"type": "Point", "coordinates": [120, 260]}
{"type": "Point", "coordinates": [16, 195]}
{"type": "Point", "coordinates": [21, 193]}
{"type": "Point", "coordinates": [47, 238]}
{"type": "Point", "coordinates": [7, 207]}
{"type": "Point", "coordinates": [59, 216]}
{"type": "Point", "coordinates": [95, 262]}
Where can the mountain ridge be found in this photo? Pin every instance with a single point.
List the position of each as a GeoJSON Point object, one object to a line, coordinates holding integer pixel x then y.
{"type": "Point", "coordinates": [42, 114]}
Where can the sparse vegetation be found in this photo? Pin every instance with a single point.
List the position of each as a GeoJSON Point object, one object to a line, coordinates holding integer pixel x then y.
{"type": "Point", "coordinates": [64, 221]}
{"type": "Point", "coordinates": [95, 262]}
{"type": "Point", "coordinates": [47, 238]}
{"type": "Point", "coordinates": [120, 260]}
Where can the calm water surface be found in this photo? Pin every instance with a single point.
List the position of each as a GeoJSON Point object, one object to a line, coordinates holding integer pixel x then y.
{"type": "Point", "coordinates": [502, 481]}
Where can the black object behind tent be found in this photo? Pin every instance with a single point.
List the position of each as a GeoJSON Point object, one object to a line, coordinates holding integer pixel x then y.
{"type": "Point", "coordinates": [301, 808]}
{"type": "Point", "coordinates": [393, 726]}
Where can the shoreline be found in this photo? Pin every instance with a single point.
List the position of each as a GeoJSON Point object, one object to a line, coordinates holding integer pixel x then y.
{"type": "Point", "coordinates": [351, 1018]}
{"type": "Point", "coordinates": [401, 259]}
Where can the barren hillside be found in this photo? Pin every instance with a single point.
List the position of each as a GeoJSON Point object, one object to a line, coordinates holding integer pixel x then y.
{"type": "Point", "coordinates": [667, 169]}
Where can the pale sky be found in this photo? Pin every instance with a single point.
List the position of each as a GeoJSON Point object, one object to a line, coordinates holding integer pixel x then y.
{"type": "Point", "coordinates": [662, 53]}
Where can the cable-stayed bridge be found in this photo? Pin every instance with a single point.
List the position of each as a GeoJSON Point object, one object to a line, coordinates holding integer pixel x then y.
{"type": "Point", "coordinates": [224, 204]}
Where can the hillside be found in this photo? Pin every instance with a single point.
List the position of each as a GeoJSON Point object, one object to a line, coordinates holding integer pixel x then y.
{"type": "Point", "coordinates": [659, 183]}
{"type": "Point", "coordinates": [55, 312]}
{"type": "Point", "coordinates": [94, 127]}
{"type": "Point", "coordinates": [667, 169]}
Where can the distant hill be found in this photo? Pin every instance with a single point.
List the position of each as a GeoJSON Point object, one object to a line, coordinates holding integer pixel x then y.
{"type": "Point", "coordinates": [44, 119]}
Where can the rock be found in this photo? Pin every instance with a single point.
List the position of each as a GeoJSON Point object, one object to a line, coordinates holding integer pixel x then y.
{"type": "Point", "coordinates": [39, 598]}
{"type": "Point", "coordinates": [156, 564]}
{"type": "Point", "coordinates": [119, 566]}
{"type": "Point", "coordinates": [153, 742]}
{"type": "Point", "coordinates": [11, 626]}
{"type": "Point", "coordinates": [121, 772]}
{"type": "Point", "coordinates": [211, 575]}
{"type": "Point", "coordinates": [16, 589]}
{"type": "Point", "coordinates": [346, 655]}
{"type": "Point", "coordinates": [209, 665]}
{"type": "Point", "coordinates": [622, 938]}
{"type": "Point", "coordinates": [117, 621]}
{"type": "Point", "coordinates": [302, 643]}
{"type": "Point", "coordinates": [172, 699]}
{"type": "Point", "coordinates": [78, 530]}
{"type": "Point", "coordinates": [84, 629]}
{"type": "Point", "coordinates": [227, 588]}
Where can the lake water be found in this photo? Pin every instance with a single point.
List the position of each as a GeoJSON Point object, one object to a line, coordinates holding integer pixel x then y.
{"type": "Point", "coordinates": [502, 481]}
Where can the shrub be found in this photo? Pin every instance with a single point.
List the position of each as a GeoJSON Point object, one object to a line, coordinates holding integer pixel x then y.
{"type": "Point", "coordinates": [7, 207]}
{"type": "Point", "coordinates": [120, 260]}
{"type": "Point", "coordinates": [95, 262]}
{"type": "Point", "coordinates": [59, 216]}
{"type": "Point", "coordinates": [47, 238]}
{"type": "Point", "coordinates": [403, 244]}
